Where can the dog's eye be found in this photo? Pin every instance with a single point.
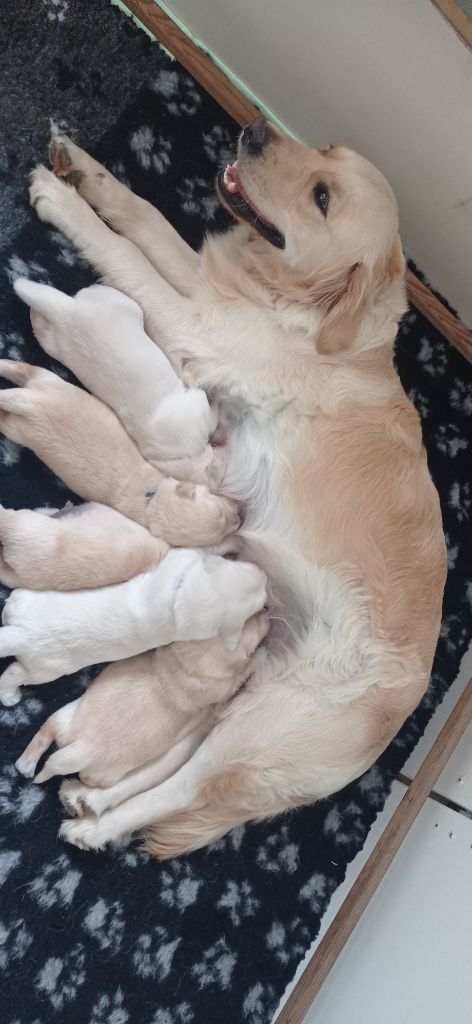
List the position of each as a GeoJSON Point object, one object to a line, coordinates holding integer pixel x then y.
{"type": "Point", "coordinates": [321, 197]}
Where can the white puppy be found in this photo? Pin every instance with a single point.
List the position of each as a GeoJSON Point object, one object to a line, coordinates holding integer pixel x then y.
{"type": "Point", "coordinates": [100, 336]}
{"type": "Point", "coordinates": [137, 709]}
{"type": "Point", "coordinates": [78, 547]}
{"type": "Point", "coordinates": [184, 598]}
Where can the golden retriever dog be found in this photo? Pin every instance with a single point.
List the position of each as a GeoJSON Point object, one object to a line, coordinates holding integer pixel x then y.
{"type": "Point", "coordinates": [288, 321]}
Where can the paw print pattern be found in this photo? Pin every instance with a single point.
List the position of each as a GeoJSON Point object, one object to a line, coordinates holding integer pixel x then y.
{"type": "Point", "coordinates": [278, 855]}
{"type": "Point", "coordinates": [17, 799]}
{"type": "Point", "coordinates": [110, 1009]}
{"type": "Point", "coordinates": [218, 145]}
{"type": "Point", "coordinates": [216, 966]}
{"type": "Point", "coordinates": [316, 892]}
{"type": "Point", "coordinates": [239, 901]}
{"type": "Point", "coordinates": [197, 198]}
{"type": "Point", "coordinates": [56, 10]}
{"type": "Point", "coordinates": [179, 886]}
{"type": "Point", "coordinates": [61, 977]}
{"type": "Point", "coordinates": [149, 151]}
{"type": "Point", "coordinates": [105, 923]}
{"type": "Point", "coordinates": [154, 953]}
{"type": "Point", "coordinates": [56, 883]}
{"type": "Point", "coordinates": [178, 93]}
{"type": "Point", "coordinates": [15, 941]}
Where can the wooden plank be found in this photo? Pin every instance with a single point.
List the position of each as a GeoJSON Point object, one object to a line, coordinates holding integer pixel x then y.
{"type": "Point", "coordinates": [456, 17]}
{"type": "Point", "coordinates": [344, 923]}
{"type": "Point", "coordinates": [216, 83]}
{"type": "Point", "coordinates": [196, 61]}
{"type": "Point", "coordinates": [445, 322]}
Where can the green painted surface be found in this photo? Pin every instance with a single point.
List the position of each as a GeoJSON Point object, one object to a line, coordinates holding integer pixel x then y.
{"type": "Point", "coordinates": [243, 88]}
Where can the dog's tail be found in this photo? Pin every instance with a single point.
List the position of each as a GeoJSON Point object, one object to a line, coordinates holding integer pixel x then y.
{"type": "Point", "coordinates": [223, 801]}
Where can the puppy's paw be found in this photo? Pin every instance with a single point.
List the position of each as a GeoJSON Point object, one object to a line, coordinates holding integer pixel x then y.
{"type": "Point", "coordinates": [85, 833]}
{"type": "Point", "coordinates": [73, 796]}
{"type": "Point", "coordinates": [187, 514]}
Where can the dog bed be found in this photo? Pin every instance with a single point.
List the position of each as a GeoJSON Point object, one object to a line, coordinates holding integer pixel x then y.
{"type": "Point", "coordinates": [118, 938]}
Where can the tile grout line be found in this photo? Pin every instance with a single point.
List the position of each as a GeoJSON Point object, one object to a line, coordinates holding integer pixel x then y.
{"type": "Point", "coordinates": [438, 797]}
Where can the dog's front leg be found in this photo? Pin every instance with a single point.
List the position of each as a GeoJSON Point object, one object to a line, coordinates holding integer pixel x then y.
{"type": "Point", "coordinates": [127, 214]}
{"type": "Point", "coordinates": [170, 319]}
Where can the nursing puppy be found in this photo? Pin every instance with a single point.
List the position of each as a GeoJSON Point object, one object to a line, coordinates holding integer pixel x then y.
{"type": "Point", "coordinates": [75, 548]}
{"type": "Point", "coordinates": [85, 444]}
{"type": "Point", "coordinates": [289, 322]}
{"type": "Point", "coordinates": [52, 633]}
{"type": "Point", "coordinates": [137, 709]}
{"type": "Point", "coordinates": [93, 334]}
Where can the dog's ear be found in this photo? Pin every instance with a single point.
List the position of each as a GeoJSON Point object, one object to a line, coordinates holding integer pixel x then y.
{"type": "Point", "coordinates": [393, 268]}
{"type": "Point", "coordinates": [342, 298]}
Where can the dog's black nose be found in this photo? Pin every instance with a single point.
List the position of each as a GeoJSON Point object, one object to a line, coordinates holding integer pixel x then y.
{"type": "Point", "coordinates": [254, 137]}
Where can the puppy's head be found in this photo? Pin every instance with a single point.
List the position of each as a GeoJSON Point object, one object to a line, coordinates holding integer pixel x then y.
{"type": "Point", "coordinates": [329, 219]}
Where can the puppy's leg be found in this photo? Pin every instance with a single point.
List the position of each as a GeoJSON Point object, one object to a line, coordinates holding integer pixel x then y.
{"type": "Point", "coordinates": [78, 437]}
{"type": "Point", "coordinates": [79, 799]}
{"type": "Point", "coordinates": [130, 216]}
{"type": "Point", "coordinates": [66, 761]}
{"type": "Point", "coordinates": [169, 317]}
{"type": "Point", "coordinates": [42, 740]}
{"type": "Point", "coordinates": [86, 546]}
{"type": "Point", "coordinates": [57, 728]}
{"type": "Point", "coordinates": [13, 677]}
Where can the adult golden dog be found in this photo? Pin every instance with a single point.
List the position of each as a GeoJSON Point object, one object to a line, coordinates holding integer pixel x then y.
{"type": "Point", "coordinates": [288, 321]}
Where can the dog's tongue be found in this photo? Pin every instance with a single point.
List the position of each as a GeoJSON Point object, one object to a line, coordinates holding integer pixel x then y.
{"type": "Point", "coordinates": [231, 177]}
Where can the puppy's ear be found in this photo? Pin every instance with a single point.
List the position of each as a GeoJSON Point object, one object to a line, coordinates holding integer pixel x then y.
{"type": "Point", "coordinates": [342, 297]}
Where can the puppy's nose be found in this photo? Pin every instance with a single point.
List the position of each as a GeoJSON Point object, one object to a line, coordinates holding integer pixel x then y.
{"type": "Point", "coordinates": [255, 136]}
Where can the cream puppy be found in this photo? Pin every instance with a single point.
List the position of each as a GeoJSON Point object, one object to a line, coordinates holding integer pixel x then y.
{"type": "Point", "coordinates": [100, 336]}
{"type": "Point", "coordinates": [85, 444]}
{"type": "Point", "coordinates": [137, 709]}
{"type": "Point", "coordinates": [75, 548]}
{"type": "Point", "coordinates": [52, 634]}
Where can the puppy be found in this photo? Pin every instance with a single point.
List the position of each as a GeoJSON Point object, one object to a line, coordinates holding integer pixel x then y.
{"type": "Point", "coordinates": [137, 709]}
{"type": "Point", "coordinates": [76, 548]}
{"type": "Point", "coordinates": [100, 336]}
{"type": "Point", "coordinates": [85, 444]}
{"type": "Point", "coordinates": [52, 634]}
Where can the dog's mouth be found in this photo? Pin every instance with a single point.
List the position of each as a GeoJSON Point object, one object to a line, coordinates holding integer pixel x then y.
{"type": "Point", "coordinates": [236, 199]}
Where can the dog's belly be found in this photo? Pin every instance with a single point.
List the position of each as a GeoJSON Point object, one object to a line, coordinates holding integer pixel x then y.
{"type": "Point", "coordinates": [268, 535]}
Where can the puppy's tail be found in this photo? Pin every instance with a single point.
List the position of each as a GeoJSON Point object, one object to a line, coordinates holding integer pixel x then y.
{"type": "Point", "coordinates": [227, 799]}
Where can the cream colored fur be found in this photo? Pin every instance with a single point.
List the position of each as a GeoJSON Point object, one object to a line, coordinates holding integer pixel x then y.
{"type": "Point", "coordinates": [137, 709]}
{"type": "Point", "coordinates": [323, 448]}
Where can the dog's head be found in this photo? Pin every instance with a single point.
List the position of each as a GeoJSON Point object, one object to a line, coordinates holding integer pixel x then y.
{"type": "Point", "coordinates": [328, 216]}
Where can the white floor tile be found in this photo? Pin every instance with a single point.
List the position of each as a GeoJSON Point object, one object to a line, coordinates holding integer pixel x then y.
{"type": "Point", "coordinates": [408, 961]}
{"type": "Point", "coordinates": [352, 872]}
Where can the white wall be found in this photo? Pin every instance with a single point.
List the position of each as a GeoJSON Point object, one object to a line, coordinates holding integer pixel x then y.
{"type": "Point", "coordinates": [387, 77]}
